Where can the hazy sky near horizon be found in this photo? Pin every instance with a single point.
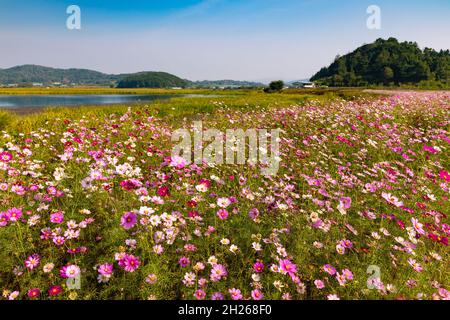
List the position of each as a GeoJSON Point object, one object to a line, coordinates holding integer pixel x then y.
{"type": "Point", "coordinates": [210, 39]}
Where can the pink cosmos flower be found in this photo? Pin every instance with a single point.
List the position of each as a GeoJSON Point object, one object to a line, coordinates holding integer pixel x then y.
{"type": "Point", "coordinates": [345, 202]}
{"type": "Point", "coordinates": [128, 220]}
{"type": "Point", "coordinates": [151, 278]}
{"type": "Point", "coordinates": [222, 214]}
{"type": "Point", "coordinates": [444, 293]}
{"type": "Point", "coordinates": [57, 217]}
{"type": "Point", "coordinates": [58, 240]}
{"type": "Point", "coordinates": [32, 261]}
{"type": "Point", "coordinates": [218, 272]}
{"type": "Point", "coordinates": [329, 269]}
{"type": "Point", "coordinates": [178, 162]}
{"type": "Point", "coordinates": [286, 266]}
{"type": "Point", "coordinates": [253, 213]}
{"type": "Point", "coordinates": [235, 294]}
{"type": "Point", "coordinates": [340, 249]}
{"type": "Point", "coordinates": [319, 284]}
{"type": "Point", "coordinates": [223, 202]}
{"type": "Point", "coordinates": [200, 294]}
{"type": "Point", "coordinates": [72, 271]}
{"type": "Point", "coordinates": [347, 274]}
{"type": "Point", "coordinates": [217, 296]}
{"type": "Point", "coordinates": [257, 295]}
{"type": "Point", "coordinates": [391, 199]}
{"type": "Point", "coordinates": [415, 265]}
{"type": "Point", "coordinates": [417, 226]}
{"type": "Point", "coordinates": [105, 269]}
{"type": "Point", "coordinates": [341, 279]}
{"type": "Point", "coordinates": [346, 243]}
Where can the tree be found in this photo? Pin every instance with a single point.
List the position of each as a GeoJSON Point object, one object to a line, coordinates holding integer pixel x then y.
{"type": "Point", "coordinates": [275, 86]}
{"type": "Point", "coordinates": [388, 74]}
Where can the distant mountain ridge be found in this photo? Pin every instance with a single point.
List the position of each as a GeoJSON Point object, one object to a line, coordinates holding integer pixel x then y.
{"type": "Point", "coordinates": [46, 75]}
{"type": "Point", "coordinates": [29, 74]}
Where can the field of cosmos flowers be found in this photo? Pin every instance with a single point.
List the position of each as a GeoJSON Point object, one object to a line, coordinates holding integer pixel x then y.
{"type": "Point", "coordinates": [93, 206]}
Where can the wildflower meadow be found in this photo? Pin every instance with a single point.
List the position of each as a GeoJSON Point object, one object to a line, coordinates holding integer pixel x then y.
{"type": "Point", "coordinates": [93, 205]}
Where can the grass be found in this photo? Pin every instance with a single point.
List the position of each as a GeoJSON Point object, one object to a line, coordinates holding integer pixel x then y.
{"type": "Point", "coordinates": [173, 109]}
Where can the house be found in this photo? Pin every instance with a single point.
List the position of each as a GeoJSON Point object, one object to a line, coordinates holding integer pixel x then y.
{"type": "Point", "coordinates": [37, 84]}
{"type": "Point", "coordinates": [303, 84]}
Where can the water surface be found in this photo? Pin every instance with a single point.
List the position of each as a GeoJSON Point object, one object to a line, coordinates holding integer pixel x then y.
{"type": "Point", "coordinates": [72, 100]}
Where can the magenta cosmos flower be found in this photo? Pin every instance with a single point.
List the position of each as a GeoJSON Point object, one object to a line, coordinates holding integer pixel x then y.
{"type": "Point", "coordinates": [5, 157]}
{"type": "Point", "coordinates": [444, 175]}
{"type": "Point", "coordinates": [128, 220]}
{"type": "Point", "coordinates": [33, 293]}
{"type": "Point", "coordinates": [183, 262]}
{"type": "Point", "coordinates": [4, 218]}
{"type": "Point", "coordinates": [54, 290]}
{"type": "Point", "coordinates": [258, 267]}
{"type": "Point", "coordinates": [14, 214]}
{"type": "Point", "coordinates": [129, 263]}
{"type": "Point", "coordinates": [57, 217]}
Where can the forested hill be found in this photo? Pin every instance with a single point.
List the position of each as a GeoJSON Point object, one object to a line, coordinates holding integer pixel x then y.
{"type": "Point", "coordinates": [34, 73]}
{"type": "Point", "coordinates": [152, 80]}
{"type": "Point", "coordinates": [387, 62]}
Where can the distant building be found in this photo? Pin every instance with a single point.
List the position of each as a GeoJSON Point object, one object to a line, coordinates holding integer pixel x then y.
{"type": "Point", "coordinates": [303, 84]}
{"type": "Point", "coordinates": [11, 85]}
{"type": "Point", "coordinates": [37, 84]}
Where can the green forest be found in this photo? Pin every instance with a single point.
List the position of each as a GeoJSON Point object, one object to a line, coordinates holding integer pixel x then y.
{"type": "Point", "coordinates": [388, 62]}
{"type": "Point", "coordinates": [152, 80]}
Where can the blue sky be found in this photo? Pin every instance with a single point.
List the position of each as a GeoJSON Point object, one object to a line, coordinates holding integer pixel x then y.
{"type": "Point", "coordinates": [210, 39]}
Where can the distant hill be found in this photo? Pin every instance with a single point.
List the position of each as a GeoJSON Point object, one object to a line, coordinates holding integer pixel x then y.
{"type": "Point", "coordinates": [152, 79]}
{"type": "Point", "coordinates": [387, 62]}
{"type": "Point", "coordinates": [225, 84]}
{"type": "Point", "coordinates": [33, 73]}
{"type": "Point", "coordinates": [29, 74]}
